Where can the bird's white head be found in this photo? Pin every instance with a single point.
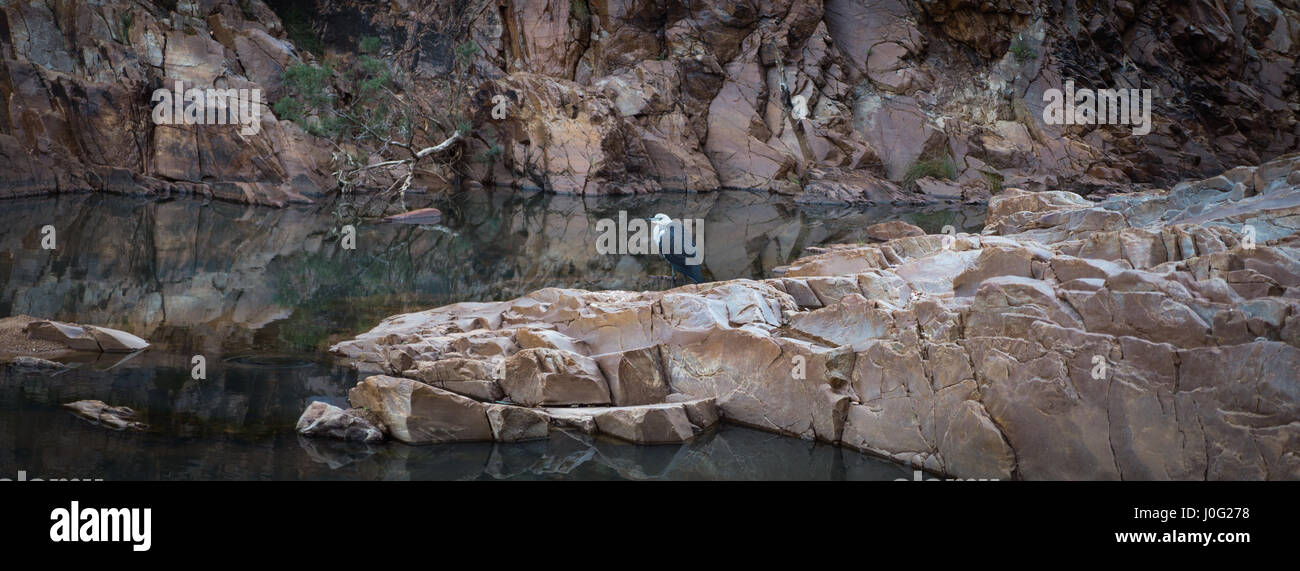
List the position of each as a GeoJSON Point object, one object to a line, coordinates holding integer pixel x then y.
{"type": "Point", "coordinates": [661, 219]}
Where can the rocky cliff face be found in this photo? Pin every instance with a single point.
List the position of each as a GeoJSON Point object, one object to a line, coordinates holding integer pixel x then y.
{"type": "Point", "coordinates": [630, 96]}
{"type": "Point", "coordinates": [77, 79]}
{"type": "Point", "coordinates": [621, 97]}
{"type": "Point", "coordinates": [1151, 336]}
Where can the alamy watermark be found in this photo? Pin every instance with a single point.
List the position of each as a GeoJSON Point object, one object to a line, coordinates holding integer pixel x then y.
{"type": "Point", "coordinates": [79, 524]}
{"type": "Point", "coordinates": [22, 477]}
{"type": "Point", "coordinates": [919, 476]}
{"type": "Point", "coordinates": [180, 106]}
{"type": "Point", "coordinates": [1098, 107]}
{"type": "Point", "coordinates": [657, 235]}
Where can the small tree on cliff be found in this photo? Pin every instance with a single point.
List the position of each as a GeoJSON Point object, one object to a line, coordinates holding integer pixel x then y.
{"type": "Point", "coordinates": [369, 104]}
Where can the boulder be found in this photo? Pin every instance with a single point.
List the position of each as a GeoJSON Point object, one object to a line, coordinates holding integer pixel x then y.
{"type": "Point", "coordinates": [322, 419]}
{"type": "Point", "coordinates": [531, 338]}
{"type": "Point", "coordinates": [103, 414]}
{"type": "Point", "coordinates": [634, 377]}
{"type": "Point", "coordinates": [74, 337]}
{"type": "Point", "coordinates": [886, 231]}
{"type": "Point", "coordinates": [516, 423]}
{"type": "Point", "coordinates": [114, 341]}
{"type": "Point", "coordinates": [85, 337]}
{"type": "Point", "coordinates": [644, 424]}
{"type": "Point", "coordinates": [416, 413]}
{"type": "Point", "coordinates": [536, 377]}
{"type": "Point", "coordinates": [703, 413]}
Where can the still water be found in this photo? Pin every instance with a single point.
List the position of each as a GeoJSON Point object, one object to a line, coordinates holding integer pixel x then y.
{"type": "Point", "coordinates": [261, 293]}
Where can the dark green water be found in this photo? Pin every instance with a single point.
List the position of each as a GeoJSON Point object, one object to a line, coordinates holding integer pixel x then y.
{"type": "Point", "coordinates": [261, 293]}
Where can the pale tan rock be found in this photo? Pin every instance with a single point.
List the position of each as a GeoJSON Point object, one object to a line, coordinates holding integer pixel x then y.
{"type": "Point", "coordinates": [1068, 341]}
{"type": "Point", "coordinates": [416, 413]}
{"type": "Point", "coordinates": [114, 417]}
{"type": "Point", "coordinates": [536, 377]}
{"type": "Point", "coordinates": [530, 338]}
{"type": "Point", "coordinates": [322, 419]}
{"type": "Point", "coordinates": [996, 261]}
{"type": "Point", "coordinates": [470, 377]}
{"type": "Point", "coordinates": [74, 337]}
{"type": "Point", "coordinates": [516, 424]}
{"type": "Point", "coordinates": [634, 377]}
{"type": "Point", "coordinates": [886, 231]}
{"type": "Point", "coordinates": [115, 341]}
{"type": "Point", "coordinates": [703, 413]}
{"type": "Point", "coordinates": [646, 424]}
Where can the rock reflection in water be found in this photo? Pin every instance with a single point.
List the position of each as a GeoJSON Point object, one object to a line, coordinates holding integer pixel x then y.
{"type": "Point", "coordinates": [223, 278]}
{"type": "Point", "coordinates": [726, 453]}
{"type": "Point", "coordinates": [237, 424]}
{"type": "Point", "coordinates": [270, 289]}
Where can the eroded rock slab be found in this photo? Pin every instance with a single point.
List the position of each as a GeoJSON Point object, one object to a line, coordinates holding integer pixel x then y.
{"type": "Point", "coordinates": [322, 419]}
{"type": "Point", "coordinates": [536, 377]}
{"type": "Point", "coordinates": [103, 414]}
{"type": "Point", "coordinates": [517, 423]}
{"type": "Point", "coordinates": [644, 424]}
{"type": "Point", "coordinates": [416, 413]}
{"type": "Point", "coordinates": [1140, 337]}
{"type": "Point", "coordinates": [86, 337]}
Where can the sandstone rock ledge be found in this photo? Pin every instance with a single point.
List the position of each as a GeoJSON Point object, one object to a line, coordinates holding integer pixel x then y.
{"type": "Point", "coordinates": [1137, 338]}
{"type": "Point", "coordinates": [31, 341]}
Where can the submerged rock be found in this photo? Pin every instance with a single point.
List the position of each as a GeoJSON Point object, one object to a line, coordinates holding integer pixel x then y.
{"type": "Point", "coordinates": [103, 414]}
{"type": "Point", "coordinates": [418, 216]}
{"type": "Point", "coordinates": [36, 364]}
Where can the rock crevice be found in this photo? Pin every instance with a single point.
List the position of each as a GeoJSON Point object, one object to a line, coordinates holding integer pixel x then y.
{"type": "Point", "coordinates": [1064, 342]}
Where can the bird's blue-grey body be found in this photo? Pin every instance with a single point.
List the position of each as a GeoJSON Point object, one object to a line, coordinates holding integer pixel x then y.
{"type": "Point", "coordinates": [678, 260]}
{"type": "Point", "coordinates": [674, 249]}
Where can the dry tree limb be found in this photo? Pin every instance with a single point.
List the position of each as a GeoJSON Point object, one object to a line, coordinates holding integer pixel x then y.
{"type": "Point", "coordinates": [351, 177]}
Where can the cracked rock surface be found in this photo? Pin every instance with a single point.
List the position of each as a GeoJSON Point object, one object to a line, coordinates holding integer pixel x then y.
{"type": "Point", "coordinates": [623, 97]}
{"type": "Point", "coordinates": [1153, 335]}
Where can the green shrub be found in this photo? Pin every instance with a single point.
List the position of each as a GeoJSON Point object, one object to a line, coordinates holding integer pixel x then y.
{"type": "Point", "coordinates": [940, 167]}
{"type": "Point", "coordinates": [308, 102]}
{"type": "Point", "coordinates": [126, 21]}
{"type": "Point", "coordinates": [308, 82]}
{"type": "Point", "coordinates": [994, 181]}
{"type": "Point", "coordinates": [368, 45]}
{"type": "Point", "coordinates": [490, 154]}
{"type": "Point", "coordinates": [289, 109]}
{"type": "Point", "coordinates": [1023, 51]}
{"type": "Point", "coordinates": [578, 10]}
{"type": "Point", "coordinates": [465, 52]}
